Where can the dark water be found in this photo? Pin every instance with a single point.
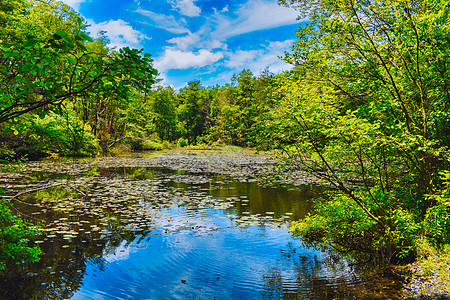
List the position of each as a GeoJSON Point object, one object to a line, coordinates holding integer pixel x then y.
{"type": "Point", "coordinates": [180, 232]}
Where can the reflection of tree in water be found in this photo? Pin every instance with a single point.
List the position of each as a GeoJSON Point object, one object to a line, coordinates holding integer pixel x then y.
{"type": "Point", "coordinates": [59, 273]}
{"type": "Point", "coordinates": [120, 201]}
{"type": "Point", "coordinates": [303, 274]}
{"type": "Point", "coordinates": [56, 276]}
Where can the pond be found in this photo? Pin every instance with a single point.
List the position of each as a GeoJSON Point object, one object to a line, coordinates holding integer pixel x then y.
{"type": "Point", "coordinates": [176, 225]}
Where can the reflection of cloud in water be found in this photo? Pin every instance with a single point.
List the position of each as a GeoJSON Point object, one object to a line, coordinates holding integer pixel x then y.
{"type": "Point", "coordinates": [180, 227]}
{"type": "Point", "coordinates": [121, 252]}
{"type": "Point", "coordinates": [197, 222]}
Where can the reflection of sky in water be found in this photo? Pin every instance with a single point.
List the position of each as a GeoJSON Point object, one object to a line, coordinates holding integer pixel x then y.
{"type": "Point", "coordinates": [216, 259]}
{"type": "Point", "coordinates": [206, 235]}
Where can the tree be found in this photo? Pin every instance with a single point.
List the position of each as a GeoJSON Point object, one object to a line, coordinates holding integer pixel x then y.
{"type": "Point", "coordinates": [46, 60]}
{"type": "Point", "coordinates": [193, 109]}
{"type": "Point", "coordinates": [37, 74]}
{"type": "Point", "coordinates": [38, 69]}
{"type": "Point", "coordinates": [164, 113]}
{"type": "Point", "coordinates": [370, 107]}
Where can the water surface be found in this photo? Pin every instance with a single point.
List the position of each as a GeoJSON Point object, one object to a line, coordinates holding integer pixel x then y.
{"type": "Point", "coordinates": [176, 225]}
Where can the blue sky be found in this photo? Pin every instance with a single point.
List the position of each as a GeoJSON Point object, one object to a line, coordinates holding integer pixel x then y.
{"type": "Point", "coordinates": [206, 40]}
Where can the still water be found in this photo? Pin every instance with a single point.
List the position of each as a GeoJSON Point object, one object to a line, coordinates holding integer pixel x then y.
{"type": "Point", "coordinates": [175, 225]}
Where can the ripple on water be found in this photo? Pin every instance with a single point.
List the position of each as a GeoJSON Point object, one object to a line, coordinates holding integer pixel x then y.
{"type": "Point", "coordinates": [158, 229]}
{"type": "Point", "coordinates": [232, 262]}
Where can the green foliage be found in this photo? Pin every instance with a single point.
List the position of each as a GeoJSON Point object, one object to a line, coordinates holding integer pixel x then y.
{"type": "Point", "coordinates": [58, 62]}
{"type": "Point", "coordinates": [9, 162]}
{"type": "Point", "coordinates": [365, 111]}
{"type": "Point", "coordinates": [47, 59]}
{"type": "Point", "coordinates": [63, 133]}
{"type": "Point", "coordinates": [145, 144]}
{"type": "Point", "coordinates": [182, 142]}
{"type": "Point", "coordinates": [193, 110]}
{"type": "Point", "coordinates": [15, 237]}
{"type": "Point", "coordinates": [163, 114]}
{"type": "Point", "coordinates": [338, 222]}
{"type": "Point", "coordinates": [437, 219]}
{"type": "Point", "coordinates": [237, 107]}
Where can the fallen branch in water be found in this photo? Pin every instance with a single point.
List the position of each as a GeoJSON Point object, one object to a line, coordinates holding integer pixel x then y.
{"type": "Point", "coordinates": [112, 143]}
{"type": "Point", "coordinates": [43, 188]}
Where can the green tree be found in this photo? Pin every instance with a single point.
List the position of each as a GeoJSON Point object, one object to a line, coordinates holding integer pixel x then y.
{"type": "Point", "coordinates": [193, 110]}
{"type": "Point", "coordinates": [62, 132]}
{"type": "Point", "coordinates": [371, 107]}
{"type": "Point", "coordinates": [241, 106]}
{"type": "Point", "coordinates": [164, 119]}
{"type": "Point", "coordinates": [46, 58]}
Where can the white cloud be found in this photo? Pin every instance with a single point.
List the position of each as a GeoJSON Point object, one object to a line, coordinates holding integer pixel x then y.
{"type": "Point", "coordinates": [252, 16]}
{"type": "Point", "coordinates": [255, 15]}
{"type": "Point", "coordinates": [185, 41]}
{"type": "Point", "coordinates": [240, 58]}
{"type": "Point", "coordinates": [177, 59]}
{"type": "Point", "coordinates": [215, 44]}
{"type": "Point", "coordinates": [75, 4]}
{"type": "Point", "coordinates": [119, 32]}
{"type": "Point", "coordinates": [169, 23]}
{"type": "Point", "coordinates": [257, 60]}
{"type": "Point", "coordinates": [186, 7]}
{"type": "Point", "coordinates": [207, 46]}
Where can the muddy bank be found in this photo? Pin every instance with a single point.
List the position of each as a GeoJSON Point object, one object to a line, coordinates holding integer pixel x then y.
{"type": "Point", "coordinates": [428, 279]}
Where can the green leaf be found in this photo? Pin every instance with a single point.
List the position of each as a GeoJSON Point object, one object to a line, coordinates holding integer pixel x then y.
{"type": "Point", "coordinates": [26, 68]}
{"type": "Point", "coordinates": [61, 35]}
{"type": "Point", "coordinates": [81, 46]}
{"type": "Point", "coordinates": [71, 60]}
{"type": "Point", "coordinates": [12, 54]}
{"type": "Point", "coordinates": [29, 43]}
{"type": "Point", "coordinates": [6, 47]}
{"type": "Point", "coordinates": [84, 36]}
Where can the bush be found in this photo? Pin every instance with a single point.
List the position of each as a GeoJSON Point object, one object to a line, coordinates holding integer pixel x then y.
{"type": "Point", "coordinates": [62, 133]}
{"type": "Point", "coordinates": [182, 143]}
{"type": "Point", "coordinates": [153, 145]}
{"type": "Point", "coordinates": [143, 144]}
{"type": "Point", "coordinates": [340, 223]}
{"type": "Point", "coordinates": [167, 145]}
{"type": "Point", "coordinates": [437, 218]}
{"type": "Point", "coordinates": [120, 149]}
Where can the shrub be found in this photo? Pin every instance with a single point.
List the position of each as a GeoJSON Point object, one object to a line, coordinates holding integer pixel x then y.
{"type": "Point", "coordinates": [62, 133]}
{"type": "Point", "coordinates": [340, 223]}
{"type": "Point", "coordinates": [437, 218]}
{"type": "Point", "coordinates": [144, 144]}
{"type": "Point", "coordinates": [182, 143]}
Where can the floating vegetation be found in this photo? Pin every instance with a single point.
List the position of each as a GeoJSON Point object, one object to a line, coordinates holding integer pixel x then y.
{"type": "Point", "coordinates": [92, 207]}
{"type": "Point", "coordinates": [101, 210]}
{"type": "Point", "coordinates": [137, 195]}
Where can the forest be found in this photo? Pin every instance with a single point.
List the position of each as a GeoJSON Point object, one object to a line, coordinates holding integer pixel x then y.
{"type": "Point", "coordinates": [365, 109]}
